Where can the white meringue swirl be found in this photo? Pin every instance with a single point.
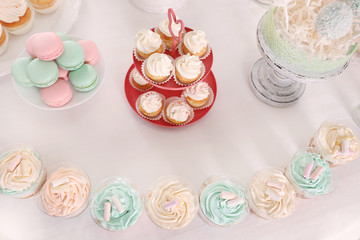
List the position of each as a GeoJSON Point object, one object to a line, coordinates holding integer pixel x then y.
{"type": "Point", "coordinates": [198, 92]}
{"type": "Point", "coordinates": [12, 10]}
{"type": "Point", "coordinates": [151, 101]}
{"type": "Point", "coordinates": [147, 41]}
{"type": "Point", "coordinates": [164, 27]}
{"type": "Point", "coordinates": [195, 41]}
{"type": "Point", "coordinates": [189, 66]}
{"type": "Point", "coordinates": [159, 64]}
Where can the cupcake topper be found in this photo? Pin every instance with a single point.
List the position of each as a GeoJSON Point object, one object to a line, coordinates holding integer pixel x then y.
{"type": "Point", "coordinates": [175, 39]}
{"type": "Point", "coordinates": [14, 162]}
{"type": "Point", "coordinates": [115, 200]}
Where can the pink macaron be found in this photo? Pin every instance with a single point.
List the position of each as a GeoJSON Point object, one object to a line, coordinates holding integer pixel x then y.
{"type": "Point", "coordinates": [28, 45]}
{"type": "Point", "coordinates": [63, 74]}
{"type": "Point", "coordinates": [47, 46]}
{"type": "Point", "coordinates": [91, 51]}
{"type": "Point", "coordinates": [58, 94]}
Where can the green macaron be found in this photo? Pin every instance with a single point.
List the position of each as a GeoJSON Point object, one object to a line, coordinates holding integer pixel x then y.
{"type": "Point", "coordinates": [42, 73]}
{"type": "Point", "coordinates": [19, 71]}
{"type": "Point", "coordinates": [73, 56]}
{"type": "Point", "coordinates": [84, 79]}
{"type": "Point", "coordinates": [63, 36]}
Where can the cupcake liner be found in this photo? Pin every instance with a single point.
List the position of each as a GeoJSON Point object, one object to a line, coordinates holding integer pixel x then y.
{"type": "Point", "coordinates": [153, 82]}
{"type": "Point", "coordinates": [167, 102]}
{"type": "Point", "coordinates": [184, 32]}
{"type": "Point", "coordinates": [140, 58]}
{"type": "Point", "coordinates": [177, 81]}
{"type": "Point", "coordinates": [158, 117]}
{"type": "Point", "coordinates": [207, 104]}
{"type": "Point", "coordinates": [48, 10]}
{"type": "Point", "coordinates": [206, 54]}
{"type": "Point", "coordinates": [132, 84]}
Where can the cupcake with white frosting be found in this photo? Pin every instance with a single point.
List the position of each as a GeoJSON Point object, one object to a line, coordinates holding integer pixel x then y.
{"type": "Point", "coordinates": [138, 81]}
{"type": "Point", "coordinates": [165, 34]}
{"type": "Point", "coordinates": [188, 69]}
{"type": "Point", "coordinates": [172, 203]}
{"type": "Point", "coordinates": [337, 142]}
{"type": "Point", "coordinates": [148, 42]}
{"type": "Point", "coordinates": [272, 195]}
{"type": "Point", "coordinates": [158, 67]}
{"type": "Point", "coordinates": [22, 172]}
{"type": "Point", "coordinates": [195, 43]}
{"type": "Point", "coordinates": [177, 111]}
{"type": "Point", "coordinates": [45, 6]}
{"type": "Point", "coordinates": [197, 96]}
{"type": "Point", "coordinates": [16, 16]}
{"type": "Point", "coordinates": [65, 193]}
{"type": "Point", "coordinates": [150, 104]}
{"type": "Point", "coordinates": [4, 40]}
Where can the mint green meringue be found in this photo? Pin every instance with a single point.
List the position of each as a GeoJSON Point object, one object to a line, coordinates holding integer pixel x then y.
{"type": "Point", "coordinates": [216, 209]}
{"type": "Point", "coordinates": [129, 198]}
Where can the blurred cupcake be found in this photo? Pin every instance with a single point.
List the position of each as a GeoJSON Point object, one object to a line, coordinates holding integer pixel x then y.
{"type": "Point", "coordinates": [116, 204]}
{"type": "Point", "coordinates": [65, 193]}
{"type": "Point", "coordinates": [177, 111]}
{"type": "Point", "coordinates": [188, 68]}
{"type": "Point", "coordinates": [171, 203]}
{"type": "Point", "coordinates": [150, 104]}
{"type": "Point", "coordinates": [309, 173]}
{"type": "Point", "coordinates": [158, 67]}
{"type": "Point", "coordinates": [272, 195]}
{"type": "Point", "coordinates": [22, 172]}
{"type": "Point", "coordinates": [148, 42]}
{"type": "Point", "coordinates": [165, 34]}
{"type": "Point", "coordinates": [197, 96]}
{"type": "Point", "coordinates": [336, 142]}
{"type": "Point", "coordinates": [4, 40]}
{"type": "Point", "coordinates": [138, 81]}
{"type": "Point", "coordinates": [16, 17]}
{"type": "Point", "coordinates": [195, 43]}
{"type": "Point", "coordinates": [223, 202]}
{"type": "Point", "coordinates": [45, 6]}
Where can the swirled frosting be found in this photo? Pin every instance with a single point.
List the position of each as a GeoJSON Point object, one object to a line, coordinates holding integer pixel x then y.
{"type": "Point", "coordinates": [147, 41]}
{"type": "Point", "coordinates": [189, 66]}
{"type": "Point", "coordinates": [328, 141]}
{"type": "Point", "coordinates": [24, 176]}
{"type": "Point", "coordinates": [180, 215]}
{"type": "Point", "coordinates": [195, 41]}
{"type": "Point", "coordinates": [151, 101]}
{"type": "Point", "coordinates": [216, 209]}
{"type": "Point", "coordinates": [66, 199]}
{"type": "Point", "coordinates": [164, 28]}
{"type": "Point", "coordinates": [198, 92]}
{"type": "Point", "coordinates": [12, 10]}
{"type": "Point", "coordinates": [138, 78]}
{"type": "Point", "coordinates": [178, 110]}
{"type": "Point", "coordinates": [129, 198]}
{"type": "Point", "coordinates": [159, 64]}
{"type": "Point", "coordinates": [297, 167]}
{"type": "Point", "coordinates": [264, 203]}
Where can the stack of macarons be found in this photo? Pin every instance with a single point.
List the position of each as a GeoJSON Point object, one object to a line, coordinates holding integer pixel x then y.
{"type": "Point", "coordinates": [55, 59]}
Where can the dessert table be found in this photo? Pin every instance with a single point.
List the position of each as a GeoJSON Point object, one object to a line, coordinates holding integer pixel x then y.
{"type": "Point", "coordinates": [238, 137]}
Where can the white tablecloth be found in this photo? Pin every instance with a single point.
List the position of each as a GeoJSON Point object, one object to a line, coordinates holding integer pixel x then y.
{"type": "Point", "coordinates": [239, 136]}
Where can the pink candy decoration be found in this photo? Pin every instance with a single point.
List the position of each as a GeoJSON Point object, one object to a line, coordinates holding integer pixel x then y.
{"type": "Point", "coordinates": [235, 202]}
{"type": "Point", "coordinates": [345, 147]}
{"type": "Point", "coordinates": [273, 195]}
{"type": "Point", "coordinates": [227, 195]}
{"type": "Point", "coordinates": [175, 40]}
{"type": "Point", "coordinates": [275, 184]}
{"type": "Point", "coordinates": [59, 182]}
{"type": "Point", "coordinates": [14, 163]}
{"type": "Point", "coordinates": [316, 173]}
{"type": "Point", "coordinates": [107, 211]}
{"type": "Point", "coordinates": [308, 169]}
{"type": "Point", "coordinates": [117, 203]}
{"type": "Point", "coordinates": [171, 204]}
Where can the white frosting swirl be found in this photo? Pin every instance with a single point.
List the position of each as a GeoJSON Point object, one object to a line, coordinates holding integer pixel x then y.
{"type": "Point", "coordinates": [151, 101]}
{"type": "Point", "coordinates": [164, 27]}
{"type": "Point", "coordinates": [198, 92]}
{"type": "Point", "coordinates": [328, 141]}
{"type": "Point", "coordinates": [263, 202]}
{"type": "Point", "coordinates": [66, 199]}
{"type": "Point", "coordinates": [178, 110]}
{"type": "Point", "coordinates": [12, 10]}
{"type": "Point", "coordinates": [147, 41]}
{"type": "Point", "coordinates": [24, 175]}
{"type": "Point", "coordinates": [174, 218]}
{"type": "Point", "coordinates": [159, 64]}
{"type": "Point", "coordinates": [189, 66]}
{"type": "Point", "coordinates": [195, 41]}
{"type": "Point", "coordinates": [138, 78]}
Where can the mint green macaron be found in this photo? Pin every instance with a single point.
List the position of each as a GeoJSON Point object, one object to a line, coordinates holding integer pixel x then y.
{"type": "Point", "coordinates": [63, 36]}
{"type": "Point", "coordinates": [84, 79]}
{"type": "Point", "coordinates": [42, 73]}
{"type": "Point", "coordinates": [19, 71]}
{"type": "Point", "coordinates": [73, 56]}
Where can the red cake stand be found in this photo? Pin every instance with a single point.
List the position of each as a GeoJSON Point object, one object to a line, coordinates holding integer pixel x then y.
{"type": "Point", "coordinates": [171, 88]}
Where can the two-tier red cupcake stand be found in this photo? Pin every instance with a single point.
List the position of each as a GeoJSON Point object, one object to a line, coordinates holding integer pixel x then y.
{"type": "Point", "coordinates": [170, 88]}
